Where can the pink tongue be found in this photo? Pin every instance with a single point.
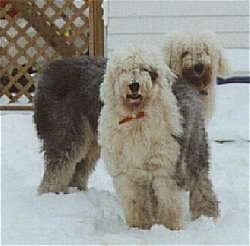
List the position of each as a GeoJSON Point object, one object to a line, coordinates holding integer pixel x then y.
{"type": "Point", "coordinates": [134, 100]}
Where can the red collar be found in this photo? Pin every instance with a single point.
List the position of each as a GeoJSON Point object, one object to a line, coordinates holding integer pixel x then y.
{"type": "Point", "coordinates": [132, 117]}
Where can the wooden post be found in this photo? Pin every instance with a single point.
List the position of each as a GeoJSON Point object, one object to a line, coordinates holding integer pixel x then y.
{"type": "Point", "coordinates": [96, 27]}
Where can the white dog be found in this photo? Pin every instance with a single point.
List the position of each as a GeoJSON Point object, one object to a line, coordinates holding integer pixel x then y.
{"type": "Point", "coordinates": [137, 133]}
{"type": "Point", "coordinates": [198, 58]}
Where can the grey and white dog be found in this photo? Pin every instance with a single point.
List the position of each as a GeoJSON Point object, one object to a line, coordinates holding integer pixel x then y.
{"type": "Point", "coordinates": [67, 107]}
{"type": "Point", "coordinates": [66, 113]}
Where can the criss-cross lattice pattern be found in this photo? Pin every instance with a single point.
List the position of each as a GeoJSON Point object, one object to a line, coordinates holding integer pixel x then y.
{"type": "Point", "coordinates": [37, 31]}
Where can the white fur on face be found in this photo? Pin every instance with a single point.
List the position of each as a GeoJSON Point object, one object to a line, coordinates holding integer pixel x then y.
{"type": "Point", "coordinates": [185, 49]}
{"type": "Point", "coordinates": [147, 87]}
{"type": "Point", "coordinates": [141, 154]}
{"type": "Point", "coordinates": [145, 66]}
{"type": "Point", "coordinates": [195, 55]}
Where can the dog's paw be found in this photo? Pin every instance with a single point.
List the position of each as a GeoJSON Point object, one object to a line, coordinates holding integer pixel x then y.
{"type": "Point", "coordinates": [174, 225]}
{"type": "Point", "coordinates": [171, 219]}
{"type": "Point", "coordinates": [79, 185]}
{"type": "Point", "coordinates": [143, 226]}
{"type": "Point", "coordinates": [210, 209]}
{"type": "Point", "coordinates": [42, 189]}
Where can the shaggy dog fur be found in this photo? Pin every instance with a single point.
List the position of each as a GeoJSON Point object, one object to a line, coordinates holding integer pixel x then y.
{"type": "Point", "coordinates": [193, 163]}
{"type": "Point", "coordinates": [198, 59]}
{"type": "Point", "coordinates": [66, 109]}
{"type": "Point", "coordinates": [141, 153]}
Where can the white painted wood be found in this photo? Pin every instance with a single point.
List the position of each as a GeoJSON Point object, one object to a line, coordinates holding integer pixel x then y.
{"type": "Point", "coordinates": [238, 60]}
{"type": "Point", "coordinates": [176, 8]}
{"type": "Point", "coordinates": [228, 40]}
{"type": "Point", "coordinates": [165, 24]}
{"type": "Point", "coordinates": [150, 21]}
{"type": "Point", "coordinates": [106, 13]}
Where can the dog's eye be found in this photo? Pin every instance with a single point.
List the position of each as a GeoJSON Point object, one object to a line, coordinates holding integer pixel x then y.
{"type": "Point", "coordinates": [152, 73]}
{"type": "Point", "coordinates": [184, 54]}
{"type": "Point", "coordinates": [206, 51]}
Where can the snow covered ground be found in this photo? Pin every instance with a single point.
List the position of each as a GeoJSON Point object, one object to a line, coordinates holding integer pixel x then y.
{"type": "Point", "coordinates": [95, 216]}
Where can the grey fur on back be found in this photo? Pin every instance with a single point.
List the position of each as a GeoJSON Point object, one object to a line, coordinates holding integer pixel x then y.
{"type": "Point", "coordinates": [68, 90]}
{"type": "Point", "coordinates": [66, 110]}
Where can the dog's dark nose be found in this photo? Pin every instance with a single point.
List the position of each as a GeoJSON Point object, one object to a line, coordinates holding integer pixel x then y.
{"type": "Point", "coordinates": [198, 68]}
{"type": "Point", "coordinates": [134, 87]}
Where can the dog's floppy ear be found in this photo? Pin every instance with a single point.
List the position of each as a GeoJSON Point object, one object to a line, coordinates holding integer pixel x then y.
{"type": "Point", "coordinates": [153, 74]}
{"type": "Point", "coordinates": [166, 50]}
{"type": "Point", "coordinates": [106, 87]}
{"type": "Point", "coordinates": [223, 66]}
{"type": "Point", "coordinates": [170, 76]}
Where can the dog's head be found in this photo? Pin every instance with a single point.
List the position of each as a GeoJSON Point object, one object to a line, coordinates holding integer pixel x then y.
{"type": "Point", "coordinates": [136, 85]}
{"type": "Point", "coordinates": [195, 57]}
{"type": "Point", "coordinates": [134, 77]}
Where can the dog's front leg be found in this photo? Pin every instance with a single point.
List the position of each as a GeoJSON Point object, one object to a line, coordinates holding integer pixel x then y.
{"type": "Point", "coordinates": [135, 200]}
{"type": "Point", "coordinates": [57, 175]}
{"type": "Point", "coordinates": [168, 208]}
{"type": "Point", "coordinates": [203, 200]}
{"type": "Point", "coordinates": [85, 167]}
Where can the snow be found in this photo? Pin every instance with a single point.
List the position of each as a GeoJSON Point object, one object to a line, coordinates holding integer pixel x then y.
{"type": "Point", "coordinates": [95, 216]}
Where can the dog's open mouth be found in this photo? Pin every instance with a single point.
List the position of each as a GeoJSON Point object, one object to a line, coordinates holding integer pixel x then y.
{"type": "Point", "coordinates": [199, 80]}
{"type": "Point", "coordinates": [134, 99]}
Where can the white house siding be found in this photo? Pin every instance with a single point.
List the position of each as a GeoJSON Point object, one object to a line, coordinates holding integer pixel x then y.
{"type": "Point", "coordinates": [152, 21]}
